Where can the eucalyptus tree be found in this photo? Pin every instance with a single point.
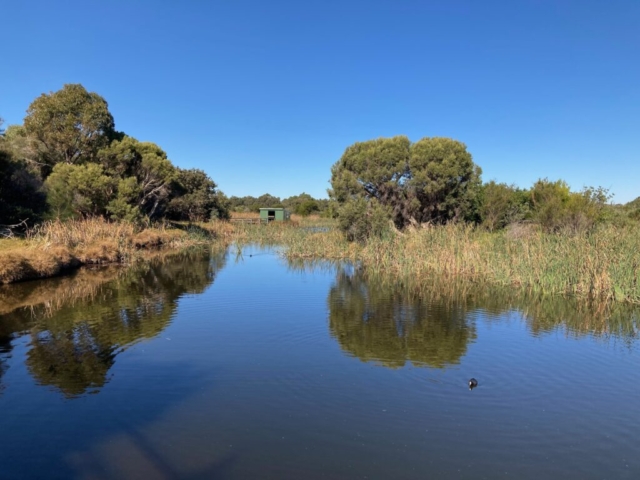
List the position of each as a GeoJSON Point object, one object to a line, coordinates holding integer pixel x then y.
{"type": "Point", "coordinates": [195, 197]}
{"type": "Point", "coordinates": [71, 125]}
{"type": "Point", "coordinates": [433, 180]}
{"type": "Point", "coordinates": [145, 178]}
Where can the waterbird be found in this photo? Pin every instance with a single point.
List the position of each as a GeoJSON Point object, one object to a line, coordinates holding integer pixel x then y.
{"type": "Point", "coordinates": [473, 383]}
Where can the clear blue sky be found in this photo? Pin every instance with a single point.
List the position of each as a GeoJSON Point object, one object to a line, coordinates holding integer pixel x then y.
{"type": "Point", "coordinates": [266, 95]}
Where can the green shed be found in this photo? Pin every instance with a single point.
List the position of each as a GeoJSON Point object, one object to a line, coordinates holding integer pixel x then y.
{"type": "Point", "coordinates": [274, 214]}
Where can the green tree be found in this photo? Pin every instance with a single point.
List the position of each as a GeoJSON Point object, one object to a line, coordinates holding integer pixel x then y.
{"type": "Point", "coordinates": [267, 200]}
{"type": "Point", "coordinates": [375, 169]}
{"type": "Point", "coordinates": [146, 177]}
{"type": "Point", "coordinates": [502, 205]}
{"type": "Point", "coordinates": [195, 197]}
{"type": "Point", "coordinates": [444, 180]}
{"type": "Point", "coordinates": [21, 193]}
{"type": "Point", "coordinates": [632, 209]}
{"type": "Point", "coordinates": [556, 208]}
{"type": "Point", "coordinates": [79, 190]}
{"type": "Point", "coordinates": [303, 204]}
{"type": "Point", "coordinates": [433, 180]}
{"type": "Point", "coordinates": [25, 149]}
{"type": "Point", "coordinates": [71, 125]}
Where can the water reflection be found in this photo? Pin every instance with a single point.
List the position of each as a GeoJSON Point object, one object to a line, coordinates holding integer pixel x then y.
{"type": "Point", "coordinates": [432, 324]}
{"type": "Point", "coordinates": [390, 326]}
{"type": "Point", "coordinates": [94, 316]}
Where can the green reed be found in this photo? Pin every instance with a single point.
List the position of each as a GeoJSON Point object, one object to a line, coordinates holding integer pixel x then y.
{"type": "Point", "coordinates": [602, 264]}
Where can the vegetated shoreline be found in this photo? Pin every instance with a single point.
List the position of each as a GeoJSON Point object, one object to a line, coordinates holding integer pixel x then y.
{"type": "Point", "coordinates": [602, 265]}
{"type": "Point", "coordinates": [59, 247]}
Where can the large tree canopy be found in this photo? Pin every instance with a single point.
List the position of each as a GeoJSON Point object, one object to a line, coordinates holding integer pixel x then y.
{"type": "Point", "coordinates": [146, 176]}
{"type": "Point", "coordinates": [71, 124]}
{"type": "Point", "coordinates": [433, 180]}
{"type": "Point", "coordinates": [68, 142]}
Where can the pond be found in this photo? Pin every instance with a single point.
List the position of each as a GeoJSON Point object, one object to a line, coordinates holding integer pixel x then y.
{"type": "Point", "coordinates": [239, 365]}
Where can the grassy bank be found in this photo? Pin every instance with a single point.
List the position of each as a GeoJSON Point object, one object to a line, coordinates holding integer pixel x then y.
{"type": "Point", "coordinates": [52, 248]}
{"type": "Point", "coordinates": [603, 265]}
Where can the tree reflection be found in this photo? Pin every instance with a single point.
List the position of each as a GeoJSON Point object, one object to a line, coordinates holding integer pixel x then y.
{"type": "Point", "coordinates": [74, 345]}
{"type": "Point", "coordinates": [431, 323]}
{"type": "Point", "coordinates": [390, 326]}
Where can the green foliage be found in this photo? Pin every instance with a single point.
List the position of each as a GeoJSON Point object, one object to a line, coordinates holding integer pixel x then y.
{"type": "Point", "coordinates": [374, 169]}
{"type": "Point", "coordinates": [70, 125]}
{"type": "Point", "coordinates": [630, 210]}
{"type": "Point", "coordinates": [21, 193]}
{"type": "Point", "coordinates": [556, 208]}
{"type": "Point", "coordinates": [307, 207]}
{"type": "Point", "coordinates": [124, 205]}
{"type": "Point", "coordinates": [23, 147]}
{"type": "Point", "coordinates": [433, 180]}
{"type": "Point", "coordinates": [196, 198]}
{"type": "Point", "coordinates": [70, 135]}
{"type": "Point", "coordinates": [303, 204]}
{"type": "Point", "coordinates": [444, 180]}
{"type": "Point", "coordinates": [148, 166]}
{"type": "Point", "coordinates": [361, 219]}
{"type": "Point", "coordinates": [502, 205]}
{"type": "Point", "coordinates": [253, 204]}
{"type": "Point", "coordinates": [79, 190]}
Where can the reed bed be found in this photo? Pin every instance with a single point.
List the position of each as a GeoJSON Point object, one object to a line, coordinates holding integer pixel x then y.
{"type": "Point", "coordinates": [603, 264]}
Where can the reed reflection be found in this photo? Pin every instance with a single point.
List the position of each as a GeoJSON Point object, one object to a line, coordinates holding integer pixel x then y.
{"type": "Point", "coordinates": [75, 339]}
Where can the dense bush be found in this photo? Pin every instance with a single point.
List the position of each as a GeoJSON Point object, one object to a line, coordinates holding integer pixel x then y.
{"type": "Point", "coordinates": [361, 219]}
{"type": "Point", "coordinates": [502, 205]}
{"type": "Point", "coordinates": [21, 193]}
{"type": "Point", "coordinates": [69, 144]}
{"type": "Point", "coordinates": [556, 208]}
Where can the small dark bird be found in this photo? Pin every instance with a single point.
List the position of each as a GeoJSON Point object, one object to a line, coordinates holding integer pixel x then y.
{"type": "Point", "coordinates": [473, 383]}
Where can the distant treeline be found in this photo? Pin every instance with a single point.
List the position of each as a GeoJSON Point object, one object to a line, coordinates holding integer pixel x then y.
{"type": "Point", "coordinates": [435, 181]}
{"type": "Point", "coordinates": [303, 204]}
{"type": "Point", "coordinates": [68, 161]}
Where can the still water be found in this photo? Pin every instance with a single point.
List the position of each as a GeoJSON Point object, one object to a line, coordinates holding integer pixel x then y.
{"type": "Point", "coordinates": [239, 365]}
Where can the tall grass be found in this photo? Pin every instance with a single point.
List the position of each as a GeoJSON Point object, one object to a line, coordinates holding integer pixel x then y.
{"type": "Point", "coordinates": [604, 264]}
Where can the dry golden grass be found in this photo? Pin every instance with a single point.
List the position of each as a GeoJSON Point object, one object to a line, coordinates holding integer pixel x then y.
{"type": "Point", "coordinates": [245, 215]}
{"type": "Point", "coordinates": [53, 247]}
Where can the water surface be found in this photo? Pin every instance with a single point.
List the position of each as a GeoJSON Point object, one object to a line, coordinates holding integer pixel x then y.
{"type": "Point", "coordinates": [239, 365]}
